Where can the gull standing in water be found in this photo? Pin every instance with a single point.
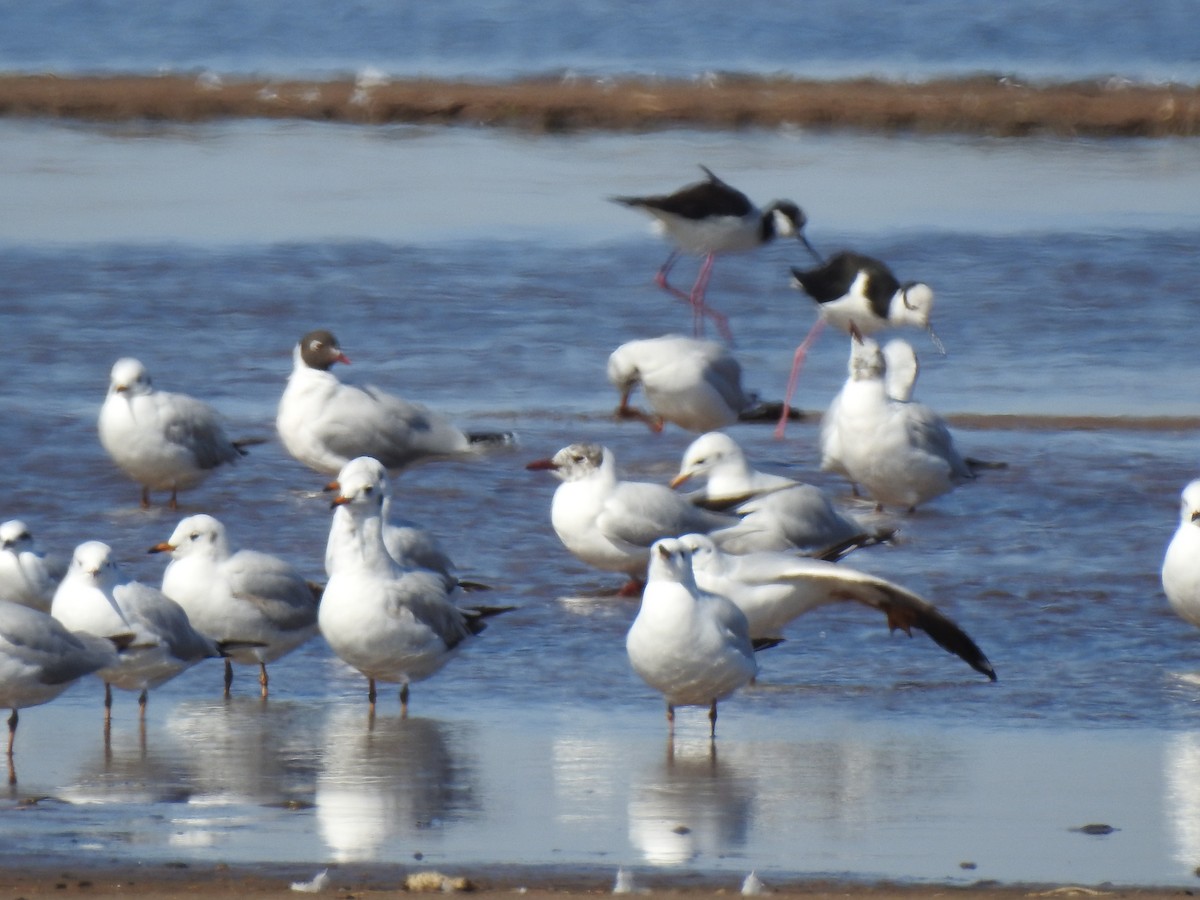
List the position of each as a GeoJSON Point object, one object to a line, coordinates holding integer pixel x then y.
{"type": "Point", "coordinates": [96, 598]}
{"type": "Point", "coordinates": [1181, 565]}
{"type": "Point", "coordinates": [901, 369]}
{"type": "Point", "coordinates": [709, 218]}
{"type": "Point", "coordinates": [163, 441]}
{"type": "Point", "coordinates": [902, 454]}
{"type": "Point", "coordinates": [693, 647]}
{"type": "Point", "coordinates": [256, 603]}
{"type": "Point", "coordinates": [691, 383]}
{"type": "Point", "coordinates": [775, 513]}
{"type": "Point", "coordinates": [860, 296]}
{"type": "Point", "coordinates": [40, 658]}
{"type": "Point", "coordinates": [773, 589]}
{"type": "Point", "coordinates": [391, 624]}
{"type": "Point", "coordinates": [26, 577]}
{"type": "Point", "coordinates": [610, 524]}
{"type": "Point", "coordinates": [324, 423]}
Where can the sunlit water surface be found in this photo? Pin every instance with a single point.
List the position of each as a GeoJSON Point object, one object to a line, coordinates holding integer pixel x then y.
{"type": "Point", "coordinates": [858, 752]}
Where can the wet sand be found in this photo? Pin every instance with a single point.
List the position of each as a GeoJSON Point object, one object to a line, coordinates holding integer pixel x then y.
{"type": "Point", "coordinates": [980, 105]}
{"type": "Point", "coordinates": [171, 882]}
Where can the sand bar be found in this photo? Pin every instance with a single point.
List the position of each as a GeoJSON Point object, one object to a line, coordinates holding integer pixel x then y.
{"type": "Point", "coordinates": [980, 105]}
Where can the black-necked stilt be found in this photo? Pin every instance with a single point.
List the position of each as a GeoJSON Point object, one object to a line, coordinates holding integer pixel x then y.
{"type": "Point", "coordinates": [859, 295]}
{"type": "Point", "coordinates": [709, 218]}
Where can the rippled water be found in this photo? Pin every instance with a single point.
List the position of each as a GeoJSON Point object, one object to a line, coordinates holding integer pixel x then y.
{"type": "Point", "coordinates": [858, 752]}
{"type": "Point", "coordinates": [499, 38]}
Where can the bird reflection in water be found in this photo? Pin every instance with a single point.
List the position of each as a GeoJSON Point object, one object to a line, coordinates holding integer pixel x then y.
{"type": "Point", "coordinates": [1181, 783]}
{"type": "Point", "coordinates": [690, 806]}
{"type": "Point", "coordinates": [394, 777]}
{"type": "Point", "coordinates": [243, 751]}
{"type": "Point", "coordinates": [126, 772]}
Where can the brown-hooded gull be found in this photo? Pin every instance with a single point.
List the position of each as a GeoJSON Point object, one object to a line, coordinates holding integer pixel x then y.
{"type": "Point", "coordinates": [325, 423]}
{"type": "Point", "coordinates": [900, 453]}
{"type": "Point", "coordinates": [26, 575]}
{"type": "Point", "coordinates": [97, 598]}
{"type": "Point", "coordinates": [1181, 565]}
{"type": "Point", "coordinates": [691, 383]}
{"type": "Point", "coordinates": [164, 441]}
{"type": "Point", "coordinates": [40, 658]}
{"type": "Point", "coordinates": [390, 623]}
{"type": "Point", "coordinates": [775, 513]}
{"type": "Point", "coordinates": [609, 523]}
{"type": "Point", "coordinates": [692, 646]}
{"type": "Point", "coordinates": [257, 605]}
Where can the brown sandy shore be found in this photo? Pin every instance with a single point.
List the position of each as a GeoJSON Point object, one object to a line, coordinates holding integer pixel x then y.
{"type": "Point", "coordinates": [979, 105]}
{"type": "Point", "coordinates": [179, 881]}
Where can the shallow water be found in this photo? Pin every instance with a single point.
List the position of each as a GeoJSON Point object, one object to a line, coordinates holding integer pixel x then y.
{"type": "Point", "coordinates": [858, 753]}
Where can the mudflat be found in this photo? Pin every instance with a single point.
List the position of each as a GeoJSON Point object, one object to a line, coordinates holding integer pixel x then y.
{"type": "Point", "coordinates": [978, 105]}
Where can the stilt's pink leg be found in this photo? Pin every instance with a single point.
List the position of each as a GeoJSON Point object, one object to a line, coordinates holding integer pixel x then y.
{"type": "Point", "coordinates": [661, 279]}
{"type": "Point", "coordinates": [794, 377]}
{"type": "Point", "coordinates": [702, 310]}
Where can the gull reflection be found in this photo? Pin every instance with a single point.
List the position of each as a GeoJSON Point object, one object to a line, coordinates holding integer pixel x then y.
{"type": "Point", "coordinates": [690, 804]}
{"type": "Point", "coordinates": [395, 777]}
{"type": "Point", "coordinates": [1181, 776]}
{"type": "Point", "coordinates": [245, 751]}
{"type": "Point", "coordinates": [125, 772]}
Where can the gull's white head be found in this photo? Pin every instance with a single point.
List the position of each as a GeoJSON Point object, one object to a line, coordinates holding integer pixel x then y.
{"type": "Point", "coordinates": [705, 555]}
{"type": "Point", "coordinates": [707, 454]}
{"type": "Point", "coordinates": [129, 377]}
{"type": "Point", "coordinates": [15, 536]}
{"type": "Point", "coordinates": [362, 486]}
{"type": "Point", "coordinates": [671, 560]}
{"type": "Point", "coordinates": [1189, 504]}
{"type": "Point", "coordinates": [576, 462]}
{"type": "Point", "coordinates": [623, 369]}
{"type": "Point", "coordinates": [92, 564]}
{"type": "Point", "coordinates": [199, 535]}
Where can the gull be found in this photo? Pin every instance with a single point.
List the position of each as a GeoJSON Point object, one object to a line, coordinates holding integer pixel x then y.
{"type": "Point", "coordinates": [610, 524]}
{"type": "Point", "coordinates": [860, 296]}
{"type": "Point", "coordinates": [392, 624]}
{"type": "Point", "coordinates": [162, 440]}
{"type": "Point", "coordinates": [776, 513]}
{"type": "Point", "coordinates": [324, 423]}
{"type": "Point", "coordinates": [902, 454]}
{"type": "Point", "coordinates": [40, 658]}
{"type": "Point", "coordinates": [1181, 565]}
{"type": "Point", "coordinates": [694, 384]}
{"type": "Point", "coordinates": [411, 546]}
{"type": "Point", "coordinates": [692, 646]}
{"type": "Point", "coordinates": [253, 602]}
{"type": "Point", "coordinates": [26, 576]}
{"type": "Point", "coordinates": [772, 589]}
{"type": "Point", "coordinates": [901, 369]}
{"type": "Point", "coordinates": [95, 597]}
{"type": "Point", "coordinates": [709, 218]}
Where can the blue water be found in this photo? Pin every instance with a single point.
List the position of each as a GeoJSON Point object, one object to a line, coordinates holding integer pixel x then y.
{"type": "Point", "coordinates": [504, 38]}
{"type": "Point", "coordinates": [484, 273]}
